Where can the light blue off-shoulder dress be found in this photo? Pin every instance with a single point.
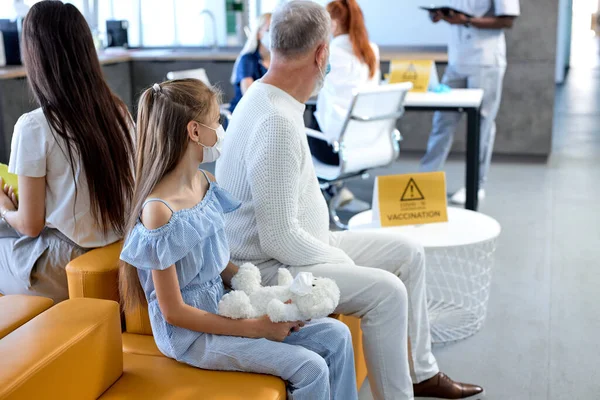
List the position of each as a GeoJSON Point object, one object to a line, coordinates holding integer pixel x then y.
{"type": "Point", "coordinates": [317, 362]}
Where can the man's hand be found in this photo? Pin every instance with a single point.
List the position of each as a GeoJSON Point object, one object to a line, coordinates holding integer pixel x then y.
{"type": "Point", "coordinates": [455, 18]}
{"type": "Point", "coordinates": [435, 16]}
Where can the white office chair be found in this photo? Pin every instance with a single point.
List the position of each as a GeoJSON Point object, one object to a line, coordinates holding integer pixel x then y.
{"type": "Point", "coordinates": [368, 139]}
{"type": "Point", "coordinates": [200, 74]}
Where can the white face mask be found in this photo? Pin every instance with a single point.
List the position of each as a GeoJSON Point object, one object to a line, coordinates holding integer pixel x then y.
{"type": "Point", "coordinates": [321, 81]}
{"type": "Point", "coordinates": [212, 153]}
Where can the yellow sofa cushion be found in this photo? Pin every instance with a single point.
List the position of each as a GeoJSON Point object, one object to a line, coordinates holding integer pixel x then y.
{"type": "Point", "coordinates": [140, 344]}
{"type": "Point", "coordinates": [95, 274]}
{"type": "Point", "coordinates": [72, 351]}
{"type": "Point", "coordinates": [16, 310]}
{"type": "Point", "coordinates": [158, 378]}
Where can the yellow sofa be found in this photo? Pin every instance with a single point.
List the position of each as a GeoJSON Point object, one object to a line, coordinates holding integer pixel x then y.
{"type": "Point", "coordinates": [73, 351]}
{"type": "Point", "coordinates": [16, 310]}
{"type": "Point", "coordinates": [146, 370]}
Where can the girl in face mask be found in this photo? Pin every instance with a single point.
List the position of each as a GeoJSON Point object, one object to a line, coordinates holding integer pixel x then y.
{"type": "Point", "coordinates": [254, 59]}
{"type": "Point", "coordinates": [176, 257]}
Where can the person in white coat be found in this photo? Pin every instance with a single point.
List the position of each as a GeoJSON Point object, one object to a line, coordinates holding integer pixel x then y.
{"type": "Point", "coordinates": [476, 59]}
{"type": "Point", "coordinates": [354, 64]}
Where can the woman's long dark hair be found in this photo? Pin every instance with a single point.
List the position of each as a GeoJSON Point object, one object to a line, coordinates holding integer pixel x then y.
{"type": "Point", "coordinates": [66, 78]}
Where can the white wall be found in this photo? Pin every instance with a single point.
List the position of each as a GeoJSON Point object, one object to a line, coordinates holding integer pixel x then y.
{"type": "Point", "coordinates": [395, 22]}
{"type": "Point", "coordinates": [402, 23]}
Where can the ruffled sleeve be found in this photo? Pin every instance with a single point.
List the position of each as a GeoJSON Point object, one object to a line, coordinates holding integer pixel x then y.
{"type": "Point", "coordinates": [160, 248]}
{"type": "Point", "coordinates": [226, 200]}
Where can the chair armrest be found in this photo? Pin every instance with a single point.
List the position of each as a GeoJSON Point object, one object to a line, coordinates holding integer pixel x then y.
{"type": "Point", "coordinates": [224, 110]}
{"type": "Point", "coordinates": [72, 351]}
{"type": "Point", "coordinates": [95, 274]}
{"type": "Point", "coordinates": [315, 134]}
{"type": "Point", "coordinates": [16, 310]}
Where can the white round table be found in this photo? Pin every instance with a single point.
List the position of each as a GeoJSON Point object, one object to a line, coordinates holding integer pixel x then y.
{"type": "Point", "coordinates": [460, 257]}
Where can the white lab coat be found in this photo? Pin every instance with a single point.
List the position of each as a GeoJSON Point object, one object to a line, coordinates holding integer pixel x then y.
{"type": "Point", "coordinates": [347, 74]}
{"type": "Point", "coordinates": [476, 59]}
{"type": "Point", "coordinates": [485, 47]}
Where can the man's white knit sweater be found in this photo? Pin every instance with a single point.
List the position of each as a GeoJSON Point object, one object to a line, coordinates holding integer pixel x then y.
{"type": "Point", "coordinates": [266, 164]}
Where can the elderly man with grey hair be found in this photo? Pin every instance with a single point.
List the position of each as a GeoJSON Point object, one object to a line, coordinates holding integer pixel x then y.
{"type": "Point", "coordinates": [284, 221]}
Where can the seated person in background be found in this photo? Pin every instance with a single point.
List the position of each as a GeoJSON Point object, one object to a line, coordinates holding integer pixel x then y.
{"type": "Point", "coordinates": [284, 221]}
{"type": "Point", "coordinates": [354, 64]}
{"type": "Point", "coordinates": [72, 157]}
{"type": "Point", "coordinates": [254, 59]}
{"type": "Point", "coordinates": [176, 257]}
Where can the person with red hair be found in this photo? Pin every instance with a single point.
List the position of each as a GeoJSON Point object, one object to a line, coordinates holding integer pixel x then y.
{"type": "Point", "coordinates": [354, 64]}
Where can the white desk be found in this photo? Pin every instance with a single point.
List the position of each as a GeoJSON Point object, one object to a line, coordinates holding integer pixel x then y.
{"type": "Point", "coordinates": [458, 100]}
{"type": "Point", "coordinates": [467, 101]}
{"type": "Point", "coordinates": [467, 98]}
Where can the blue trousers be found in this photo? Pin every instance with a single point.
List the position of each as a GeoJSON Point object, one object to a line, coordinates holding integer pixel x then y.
{"type": "Point", "coordinates": [445, 123]}
{"type": "Point", "coordinates": [317, 362]}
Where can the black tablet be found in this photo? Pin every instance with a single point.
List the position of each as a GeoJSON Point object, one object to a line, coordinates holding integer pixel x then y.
{"type": "Point", "coordinates": [445, 10]}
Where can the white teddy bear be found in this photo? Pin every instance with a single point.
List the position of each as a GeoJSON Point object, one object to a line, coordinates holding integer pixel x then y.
{"type": "Point", "coordinates": [294, 299]}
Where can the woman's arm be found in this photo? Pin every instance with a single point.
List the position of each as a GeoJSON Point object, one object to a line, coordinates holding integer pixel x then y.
{"type": "Point", "coordinates": [30, 217]}
{"type": "Point", "coordinates": [177, 313]}
{"type": "Point", "coordinates": [245, 84]}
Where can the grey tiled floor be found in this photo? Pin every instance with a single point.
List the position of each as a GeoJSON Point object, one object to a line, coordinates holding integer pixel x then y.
{"type": "Point", "coordinates": [540, 340]}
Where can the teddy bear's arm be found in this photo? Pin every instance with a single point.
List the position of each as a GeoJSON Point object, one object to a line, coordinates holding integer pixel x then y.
{"type": "Point", "coordinates": [279, 311]}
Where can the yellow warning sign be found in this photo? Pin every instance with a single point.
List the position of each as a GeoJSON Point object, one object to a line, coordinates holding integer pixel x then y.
{"type": "Point", "coordinates": [418, 72]}
{"type": "Point", "coordinates": [412, 199]}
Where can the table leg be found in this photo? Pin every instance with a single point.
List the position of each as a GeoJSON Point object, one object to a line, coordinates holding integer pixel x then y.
{"type": "Point", "coordinates": [473, 156]}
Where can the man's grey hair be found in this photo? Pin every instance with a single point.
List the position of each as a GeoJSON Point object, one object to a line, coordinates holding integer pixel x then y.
{"type": "Point", "coordinates": [299, 26]}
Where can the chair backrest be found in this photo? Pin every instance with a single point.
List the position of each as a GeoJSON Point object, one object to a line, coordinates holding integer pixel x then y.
{"type": "Point", "coordinates": [96, 275]}
{"type": "Point", "coordinates": [368, 139]}
{"type": "Point", "coordinates": [199, 73]}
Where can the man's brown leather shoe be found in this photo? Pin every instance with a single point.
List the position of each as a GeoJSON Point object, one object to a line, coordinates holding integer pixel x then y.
{"type": "Point", "coordinates": [442, 387]}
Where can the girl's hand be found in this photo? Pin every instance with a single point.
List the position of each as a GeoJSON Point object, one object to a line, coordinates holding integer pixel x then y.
{"type": "Point", "coordinates": [275, 331]}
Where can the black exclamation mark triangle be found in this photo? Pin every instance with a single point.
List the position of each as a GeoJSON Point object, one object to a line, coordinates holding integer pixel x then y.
{"type": "Point", "coordinates": [411, 73]}
{"type": "Point", "coordinates": [412, 192]}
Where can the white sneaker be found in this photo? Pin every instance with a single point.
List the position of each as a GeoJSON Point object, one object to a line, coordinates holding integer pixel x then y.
{"type": "Point", "coordinates": [344, 197]}
{"type": "Point", "coordinates": [460, 197]}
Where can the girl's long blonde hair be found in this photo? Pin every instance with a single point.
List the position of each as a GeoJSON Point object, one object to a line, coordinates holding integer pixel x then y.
{"type": "Point", "coordinates": [251, 43]}
{"type": "Point", "coordinates": [164, 112]}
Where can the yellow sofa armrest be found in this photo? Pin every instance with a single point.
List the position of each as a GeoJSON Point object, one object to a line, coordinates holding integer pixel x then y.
{"type": "Point", "coordinates": [72, 351]}
{"type": "Point", "coordinates": [95, 274]}
{"type": "Point", "coordinates": [16, 310]}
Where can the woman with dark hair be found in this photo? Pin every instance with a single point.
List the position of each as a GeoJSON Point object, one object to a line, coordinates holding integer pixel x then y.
{"type": "Point", "coordinates": [73, 157]}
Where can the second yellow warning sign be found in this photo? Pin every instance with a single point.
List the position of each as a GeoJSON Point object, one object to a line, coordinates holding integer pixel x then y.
{"type": "Point", "coordinates": [412, 199]}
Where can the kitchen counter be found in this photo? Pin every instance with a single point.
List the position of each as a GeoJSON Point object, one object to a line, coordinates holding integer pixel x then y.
{"type": "Point", "coordinates": [113, 56]}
